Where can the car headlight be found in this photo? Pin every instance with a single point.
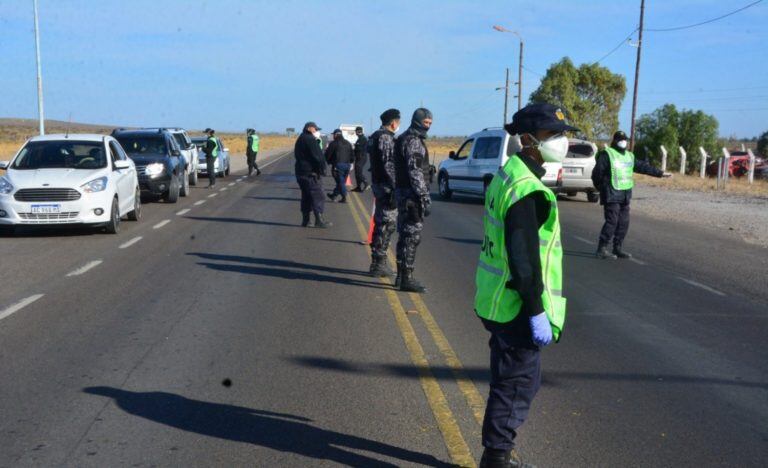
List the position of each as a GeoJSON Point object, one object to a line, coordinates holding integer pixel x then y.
{"type": "Point", "coordinates": [154, 169]}
{"type": "Point", "coordinates": [96, 185]}
{"type": "Point", "coordinates": [5, 186]}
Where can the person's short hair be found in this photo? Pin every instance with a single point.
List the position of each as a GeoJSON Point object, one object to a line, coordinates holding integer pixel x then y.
{"type": "Point", "coordinates": [389, 115]}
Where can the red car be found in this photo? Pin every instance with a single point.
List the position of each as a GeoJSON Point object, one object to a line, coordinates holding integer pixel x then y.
{"type": "Point", "coordinates": [739, 165]}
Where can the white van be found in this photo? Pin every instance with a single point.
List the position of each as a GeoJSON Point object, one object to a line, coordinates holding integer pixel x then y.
{"type": "Point", "coordinates": [470, 169]}
{"type": "Point", "coordinates": [348, 132]}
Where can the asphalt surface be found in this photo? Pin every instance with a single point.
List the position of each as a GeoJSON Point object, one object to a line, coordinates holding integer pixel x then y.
{"type": "Point", "coordinates": [231, 336]}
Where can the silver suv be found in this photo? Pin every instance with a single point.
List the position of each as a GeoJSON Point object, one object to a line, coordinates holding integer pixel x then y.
{"type": "Point", "coordinates": [577, 169]}
{"type": "Point", "coordinates": [470, 169]}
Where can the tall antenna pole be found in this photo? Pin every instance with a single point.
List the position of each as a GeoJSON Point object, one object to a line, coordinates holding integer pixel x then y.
{"type": "Point", "coordinates": [506, 97]}
{"type": "Point", "coordinates": [40, 113]}
{"type": "Point", "coordinates": [520, 78]}
{"type": "Point", "coordinates": [637, 75]}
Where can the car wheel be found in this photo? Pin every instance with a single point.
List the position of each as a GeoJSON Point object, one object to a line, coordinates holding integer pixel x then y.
{"type": "Point", "coordinates": [571, 194]}
{"type": "Point", "coordinates": [443, 187]}
{"type": "Point", "coordinates": [113, 226]}
{"type": "Point", "coordinates": [193, 178]}
{"type": "Point", "coordinates": [226, 172]}
{"type": "Point", "coordinates": [184, 184]}
{"type": "Point", "coordinates": [135, 214]}
{"type": "Point", "coordinates": [593, 197]}
{"type": "Point", "coordinates": [173, 192]}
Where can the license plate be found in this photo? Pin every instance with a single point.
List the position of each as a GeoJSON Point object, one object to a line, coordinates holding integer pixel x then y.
{"type": "Point", "coordinates": [572, 170]}
{"type": "Point", "coordinates": [46, 209]}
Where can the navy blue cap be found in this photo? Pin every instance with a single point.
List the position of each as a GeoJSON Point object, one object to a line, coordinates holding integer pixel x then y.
{"type": "Point", "coordinates": [311, 124]}
{"type": "Point", "coordinates": [338, 130]}
{"type": "Point", "coordinates": [534, 117]}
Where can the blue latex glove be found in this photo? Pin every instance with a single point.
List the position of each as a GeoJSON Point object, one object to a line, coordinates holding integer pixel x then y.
{"type": "Point", "coordinates": [541, 330]}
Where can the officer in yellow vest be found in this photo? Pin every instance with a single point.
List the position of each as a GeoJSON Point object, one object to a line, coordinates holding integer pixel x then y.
{"type": "Point", "coordinates": [251, 151]}
{"type": "Point", "coordinates": [519, 277]}
{"type": "Point", "coordinates": [613, 177]}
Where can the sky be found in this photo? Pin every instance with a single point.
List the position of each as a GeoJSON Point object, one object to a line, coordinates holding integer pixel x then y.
{"type": "Point", "coordinates": [272, 65]}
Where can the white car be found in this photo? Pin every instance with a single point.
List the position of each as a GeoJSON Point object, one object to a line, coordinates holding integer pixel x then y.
{"type": "Point", "coordinates": [69, 179]}
{"type": "Point", "coordinates": [189, 151]}
{"type": "Point", "coordinates": [221, 165]}
{"type": "Point", "coordinates": [470, 170]}
{"type": "Point", "coordinates": [577, 169]}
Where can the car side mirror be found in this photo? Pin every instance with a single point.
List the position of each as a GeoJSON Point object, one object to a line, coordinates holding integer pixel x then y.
{"type": "Point", "coordinates": [4, 164]}
{"type": "Point", "coordinates": [452, 155]}
{"type": "Point", "coordinates": [121, 164]}
{"type": "Point", "coordinates": [175, 153]}
{"type": "Point", "coordinates": [226, 149]}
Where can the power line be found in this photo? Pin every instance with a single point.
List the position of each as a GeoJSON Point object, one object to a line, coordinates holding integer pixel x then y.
{"type": "Point", "coordinates": [534, 72]}
{"type": "Point", "coordinates": [696, 91]}
{"type": "Point", "coordinates": [623, 41]}
{"type": "Point", "coordinates": [678, 28]}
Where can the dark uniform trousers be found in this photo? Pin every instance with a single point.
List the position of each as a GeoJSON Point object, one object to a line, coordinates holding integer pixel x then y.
{"type": "Point", "coordinates": [360, 171]}
{"type": "Point", "coordinates": [515, 380]}
{"type": "Point", "coordinates": [312, 197]}
{"type": "Point", "coordinates": [251, 158]}
{"type": "Point", "coordinates": [384, 221]}
{"type": "Point", "coordinates": [210, 167]}
{"type": "Point", "coordinates": [616, 223]}
{"type": "Point", "coordinates": [410, 222]}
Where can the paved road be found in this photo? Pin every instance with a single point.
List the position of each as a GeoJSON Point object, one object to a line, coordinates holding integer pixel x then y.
{"type": "Point", "coordinates": [115, 356]}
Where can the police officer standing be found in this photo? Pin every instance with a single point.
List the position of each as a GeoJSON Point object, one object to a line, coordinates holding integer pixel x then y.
{"type": "Point", "coordinates": [381, 148]}
{"type": "Point", "coordinates": [310, 167]}
{"type": "Point", "coordinates": [613, 177]}
{"type": "Point", "coordinates": [361, 159]}
{"type": "Point", "coordinates": [412, 193]}
{"type": "Point", "coordinates": [251, 151]}
{"type": "Point", "coordinates": [519, 277]}
{"type": "Point", "coordinates": [339, 155]}
{"type": "Point", "coordinates": [211, 151]}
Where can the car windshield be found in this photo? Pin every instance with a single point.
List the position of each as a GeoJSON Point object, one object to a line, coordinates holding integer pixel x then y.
{"type": "Point", "coordinates": [199, 142]}
{"type": "Point", "coordinates": [580, 150]}
{"type": "Point", "coordinates": [66, 154]}
{"type": "Point", "coordinates": [140, 145]}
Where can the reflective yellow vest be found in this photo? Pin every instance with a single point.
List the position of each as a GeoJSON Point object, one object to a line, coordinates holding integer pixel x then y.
{"type": "Point", "coordinates": [254, 143]}
{"type": "Point", "coordinates": [494, 300]}
{"type": "Point", "coordinates": [215, 152]}
{"type": "Point", "coordinates": [622, 169]}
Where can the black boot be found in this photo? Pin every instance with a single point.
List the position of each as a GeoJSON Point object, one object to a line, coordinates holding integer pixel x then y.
{"type": "Point", "coordinates": [305, 220]}
{"type": "Point", "coordinates": [343, 199]}
{"type": "Point", "coordinates": [603, 253]}
{"type": "Point", "coordinates": [258, 171]}
{"type": "Point", "coordinates": [321, 222]}
{"type": "Point", "coordinates": [331, 196]}
{"type": "Point", "coordinates": [409, 284]}
{"type": "Point", "coordinates": [619, 252]}
{"type": "Point", "coordinates": [399, 275]}
{"type": "Point", "coordinates": [379, 268]}
{"type": "Point", "coordinates": [502, 459]}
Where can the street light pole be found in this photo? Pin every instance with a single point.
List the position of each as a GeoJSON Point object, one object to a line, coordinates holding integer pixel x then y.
{"type": "Point", "coordinates": [40, 113]}
{"type": "Point", "coordinates": [637, 75]}
{"type": "Point", "coordinates": [506, 97]}
{"type": "Point", "coordinates": [519, 65]}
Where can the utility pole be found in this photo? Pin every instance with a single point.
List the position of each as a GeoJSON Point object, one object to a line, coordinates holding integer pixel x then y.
{"type": "Point", "coordinates": [637, 75]}
{"type": "Point", "coordinates": [520, 77]}
{"type": "Point", "coordinates": [41, 116]}
{"type": "Point", "coordinates": [506, 97]}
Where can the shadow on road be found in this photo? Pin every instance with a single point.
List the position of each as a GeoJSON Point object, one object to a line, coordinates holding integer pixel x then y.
{"type": "Point", "coordinates": [275, 199]}
{"type": "Point", "coordinates": [461, 241]}
{"type": "Point", "coordinates": [576, 253]}
{"type": "Point", "coordinates": [286, 270]}
{"type": "Point", "coordinates": [276, 431]}
{"type": "Point", "coordinates": [478, 374]}
{"type": "Point", "coordinates": [241, 221]}
{"type": "Point", "coordinates": [340, 241]}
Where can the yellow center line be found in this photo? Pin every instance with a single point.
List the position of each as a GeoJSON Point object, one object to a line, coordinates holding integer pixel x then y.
{"type": "Point", "coordinates": [454, 440]}
{"type": "Point", "coordinates": [467, 388]}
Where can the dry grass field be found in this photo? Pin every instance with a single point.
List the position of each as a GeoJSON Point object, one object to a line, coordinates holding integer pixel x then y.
{"type": "Point", "coordinates": [692, 183]}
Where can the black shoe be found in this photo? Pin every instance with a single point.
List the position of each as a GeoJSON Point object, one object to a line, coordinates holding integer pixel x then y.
{"type": "Point", "coordinates": [343, 199]}
{"type": "Point", "coordinates": [501, 459]}
{"type": "Point", "coordinates": [603, 253]}
{"type": "Point", "coordinates": [321, 222]}
{"type": "Point", "coordinates": [365, 187]}
{"type": "Point", "coordinates": [379, 269]}
{"type": "Point", "coordinates": [356, 189]}
{"type": "Point", "coordinates": [409, 284]}
{"type": "Point", "coordinates": [258, 172]}
{"type": "Point", "coordinates": [305, 220]}
{"type": "Point", "coordinates": [620, 253]}
{"type": "Point", "coordinates": [211, 186]}
{"type": "Point", "coordinates": [331, 196]}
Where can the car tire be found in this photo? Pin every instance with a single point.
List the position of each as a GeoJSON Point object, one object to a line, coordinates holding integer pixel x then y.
{"type": "Point", "coordinates": [226, 171]}
{"type": "Point", "coordinates": [184, 184]}
{"type": "Point", "coordinates": [193, 178]}
{"type": "Point", "coordinates": [443, 187]}
{"type": "Point", "coordinates": [135, 213]}
{"type": "Point", "coordinates": [593, 197]}
{"type": "Point", "coordinates": [570, 194]}
{"type": "Point", "coordinates": [173, 192]}
{"type": "Point", "coordinates": [113, 226]}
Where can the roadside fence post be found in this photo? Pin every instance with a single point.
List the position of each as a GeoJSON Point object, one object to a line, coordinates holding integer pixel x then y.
{"type": "Point", "coordinates": [704, 157]}
{"type": "Point", "coordinates": [726, 165]}
{"type": "Point", "coordinates": [683, 156]}
{"type": "Point", "coordinates": [663, 158]}
{"type": "Point", "coordinates": [751, 173]}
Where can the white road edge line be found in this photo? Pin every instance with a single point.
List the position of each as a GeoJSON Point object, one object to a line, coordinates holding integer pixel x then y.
{"type": "Point", "coordinates": [199, 202]}
{"type": "Point", "coordinates": [212, 195]}
{"type": "Point", "coordinates": [161, 224]}
{"type": "Point", "coordinates": [639, 262]}
{"type": "Point", "coordinates": [19, 305]}
{"type": "Point", "coordinates": [222, 189]}
{"type": "Point", "coordinates": [586, 241]}
{"type": "Point", "coordinates": [702, 286]}
{"type": "Point", "coordinates": [231, 184]}
{"type": "Point", "coordinates": [182, 212]}
{"type": "Point", "coordinates": [131, 242]}
{"type": "Point", "coordinates": [84, 268]}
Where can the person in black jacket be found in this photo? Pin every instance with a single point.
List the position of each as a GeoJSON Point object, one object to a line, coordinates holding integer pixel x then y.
{"type": "Point", "coordinates": [612, 176]}
{"type": "Point", "coordinates": [211, 151]}
{"type": "Point", "coordinates": [339, 155]}
{"type": "Point", "coordinates": [361, 159]}
{"type": "Point", "coordinates": [310, 167]}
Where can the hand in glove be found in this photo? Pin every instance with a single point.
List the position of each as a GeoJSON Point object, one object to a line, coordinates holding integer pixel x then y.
{"type": "Point", "coordinates": [541, 329]}
{"type": "Point", "coordinates": [426, 206]}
